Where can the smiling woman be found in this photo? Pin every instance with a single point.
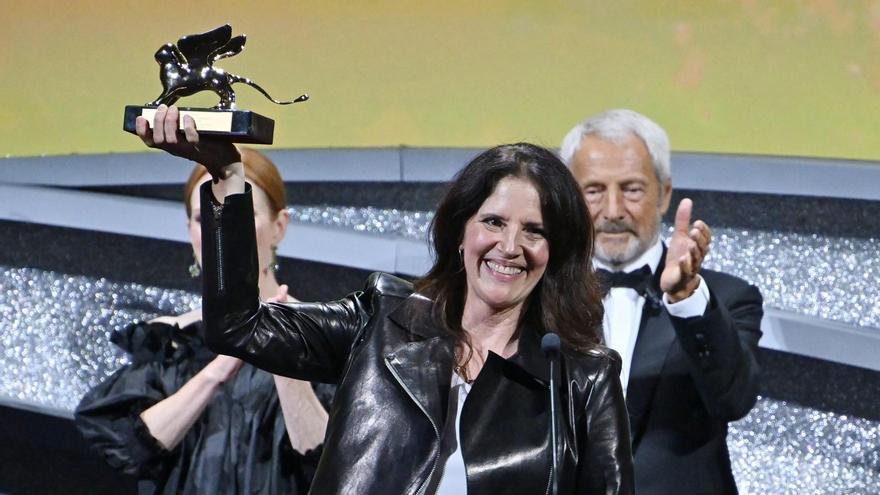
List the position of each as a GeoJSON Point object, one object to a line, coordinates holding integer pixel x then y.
{"type": "Point", "coordinates": [434, 377]}
{"type": "Point", "coordinates": [515, 220]}
{"type": "Point", "coordinates": [504, 249]}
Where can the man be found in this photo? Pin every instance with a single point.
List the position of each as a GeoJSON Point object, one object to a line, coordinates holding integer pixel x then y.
{"type": "Point", "coordinates": [687, 336]}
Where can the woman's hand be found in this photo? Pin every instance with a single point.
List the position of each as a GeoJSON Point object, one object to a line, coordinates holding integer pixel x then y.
{"type": "Point", "coordinates": [281, 295]}
{"type": "Point", "coordinates": [220, 157]}
{"type": "Point", "coordinates": [168, 420]}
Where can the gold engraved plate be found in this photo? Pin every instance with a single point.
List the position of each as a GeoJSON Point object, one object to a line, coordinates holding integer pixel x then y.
{"type": "Point", "coordinates": [205, 121]}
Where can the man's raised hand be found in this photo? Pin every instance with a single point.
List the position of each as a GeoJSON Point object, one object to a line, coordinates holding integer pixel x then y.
{"type": "Point", "coordinates": [685, 253]}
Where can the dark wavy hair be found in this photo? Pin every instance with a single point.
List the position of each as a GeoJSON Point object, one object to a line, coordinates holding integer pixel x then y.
{"type": "Point", "coordinates": [567, 300]}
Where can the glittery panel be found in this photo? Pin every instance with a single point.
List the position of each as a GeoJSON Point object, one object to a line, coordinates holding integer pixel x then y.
{"type": "Point", "coordinates": [394, 222]}
{"type": "Point", "coordinates": [833, 278]}
{"type": "Point", "coordinates": [55, 329]}
{"type": "Point", "coordinates": [54, 340]}
{"type": "Point", "coordinates": [782, 448]}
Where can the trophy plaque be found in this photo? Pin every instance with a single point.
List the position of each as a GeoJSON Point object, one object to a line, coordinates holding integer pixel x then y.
{"type": "Point", "coordinates": [187, 68]}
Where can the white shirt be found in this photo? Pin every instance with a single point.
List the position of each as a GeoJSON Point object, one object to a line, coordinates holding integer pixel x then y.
{"type": "Point", "coordinates": [454, 480]}
{"type": "Point", "coordinates": [623, 309]}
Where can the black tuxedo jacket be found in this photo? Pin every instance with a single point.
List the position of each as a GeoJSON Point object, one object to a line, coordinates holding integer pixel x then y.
{"type": "Point", "coordinates": [689, 377]}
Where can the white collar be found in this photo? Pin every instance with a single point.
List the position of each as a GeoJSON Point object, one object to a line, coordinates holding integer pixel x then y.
{"type": "Point", "coordinates": [459, 380]}
{"type": "Point", "coordinates": [651, 257]}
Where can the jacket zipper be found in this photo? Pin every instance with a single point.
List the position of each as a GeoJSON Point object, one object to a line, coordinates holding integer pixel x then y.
{"type": "Point", "coordinates": [549, 481]}
{"type": "Point", "coordinates": [434, 426]}
{"type": "Point", "coordinates": [218, 231]}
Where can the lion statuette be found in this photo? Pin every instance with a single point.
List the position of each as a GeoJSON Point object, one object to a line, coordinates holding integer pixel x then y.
{"type": "Point", "coordinates": [188, 68]}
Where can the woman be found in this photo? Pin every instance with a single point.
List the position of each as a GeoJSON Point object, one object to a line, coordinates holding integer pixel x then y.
{"type": "Point", "coordinates": [184, 420]}
{"type": "Point", "coordinates": [442, 387]}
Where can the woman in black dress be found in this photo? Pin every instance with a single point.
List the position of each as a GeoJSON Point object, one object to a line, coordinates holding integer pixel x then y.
{"type": "Point", "coordinates": [183, 419]}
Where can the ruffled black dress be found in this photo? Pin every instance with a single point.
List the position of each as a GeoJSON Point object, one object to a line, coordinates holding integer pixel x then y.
{"type": "Point", "coordinates": [238, 445]}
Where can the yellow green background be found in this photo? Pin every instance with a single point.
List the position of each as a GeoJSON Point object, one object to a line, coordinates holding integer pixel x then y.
{"type": "Point", "coordinates": [750, 76]}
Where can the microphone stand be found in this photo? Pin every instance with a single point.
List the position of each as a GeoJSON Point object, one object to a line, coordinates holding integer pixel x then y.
{"type": "Point", "coordinates": [550, 346]}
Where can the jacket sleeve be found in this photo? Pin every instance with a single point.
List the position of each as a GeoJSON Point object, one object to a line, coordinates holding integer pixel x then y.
{"type": "Point", "coordinates": [605, 463]}
{"type": "Point", "coordinates": [109, 418]}
{"type": "Point", "coordinates": [306, 341]}
{"type": "Point", "coordinates": [721, 346]}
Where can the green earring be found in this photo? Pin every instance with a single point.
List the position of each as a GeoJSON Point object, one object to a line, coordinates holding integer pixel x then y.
{"type": "Point", "coordinates": [273, 263]}
{"type": "Point", "coordinates": [194, 269]}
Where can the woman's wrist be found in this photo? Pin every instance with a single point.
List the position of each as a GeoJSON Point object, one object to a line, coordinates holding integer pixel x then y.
{"type": "Point", "coordinates": [209, 377]}
{"type": "Point", "coordinates": [221, 369]}
{"type": "Point", "coordinates": [228, 180]}
{"type": "Point", "coordinates": [229, 168]}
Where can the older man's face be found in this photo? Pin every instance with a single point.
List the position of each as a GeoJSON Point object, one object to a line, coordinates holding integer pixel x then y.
{"type": "Point", "coordinates": [624, 196]}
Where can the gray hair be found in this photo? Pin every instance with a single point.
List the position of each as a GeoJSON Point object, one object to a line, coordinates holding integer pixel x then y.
{"type": "Point", "coordinates": [617, 126]}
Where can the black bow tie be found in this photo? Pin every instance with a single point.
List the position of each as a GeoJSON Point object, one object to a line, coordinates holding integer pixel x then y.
{"type": "Point", "coordinates": [639, 280]}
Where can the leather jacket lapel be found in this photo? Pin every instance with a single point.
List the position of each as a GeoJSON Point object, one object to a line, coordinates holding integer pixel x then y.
{"type": "Point", "coordinates": [424, 370]}
{"type": "Point", "coordinates": [496, 447]}
{"type": "Point", "coordinates": [423, 366]}
{"type": "Point", "coordinates": [416, 314]}
{"type": "Point", "coordinates": [529, 356]}
{"type": "Point", "coordinates": [518, 386]}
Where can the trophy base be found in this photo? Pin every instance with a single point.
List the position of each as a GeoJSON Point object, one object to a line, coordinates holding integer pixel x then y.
{"type": "Point", "coordinates": [237, 126]}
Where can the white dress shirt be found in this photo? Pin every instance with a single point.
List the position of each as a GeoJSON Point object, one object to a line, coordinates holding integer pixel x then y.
{"type": "Point", "coordinates": [623, 308]}
{"type": "Point", "coordinates": [454, 478]}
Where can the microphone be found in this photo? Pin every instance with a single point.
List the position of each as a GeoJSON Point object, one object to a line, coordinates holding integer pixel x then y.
{"type": "Point", "coordinates": [550, 346]}
{"type": "Point", "coordinates": [654, 299]}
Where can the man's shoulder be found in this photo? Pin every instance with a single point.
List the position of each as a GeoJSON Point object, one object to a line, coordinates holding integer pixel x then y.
{"type": "Point", "coordinates": [726, 285]}
{"type": "Point", "coordinates": [723, 277]}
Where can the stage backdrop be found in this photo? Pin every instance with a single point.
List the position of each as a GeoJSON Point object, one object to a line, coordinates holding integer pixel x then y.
{"type": "Point", "coordinates": [786, 78]}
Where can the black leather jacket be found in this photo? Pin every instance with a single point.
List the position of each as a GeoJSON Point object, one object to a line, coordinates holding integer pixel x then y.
{"type": "Point", "coordinates": [393, 365]}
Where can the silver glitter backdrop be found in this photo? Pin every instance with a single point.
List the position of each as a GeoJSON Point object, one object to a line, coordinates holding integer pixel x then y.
{"type": "Point", "coordinates": [55, 331]}
{"type": "Point", "coordinates": [781, 448]}
{"type": "Point", "coordinates": [394, 222]}
{"type": "Point", "coordinates": [54, 340]}
{"type": "Point", "coordinates": [832, 278]}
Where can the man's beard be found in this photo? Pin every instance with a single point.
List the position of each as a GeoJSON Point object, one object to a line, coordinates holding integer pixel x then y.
{"type": "Point", "coordinates": [635, 245]}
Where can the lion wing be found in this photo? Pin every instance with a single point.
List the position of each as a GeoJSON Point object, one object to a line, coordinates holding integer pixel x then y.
{"type": "Point", "coordinates": [234, 47]}
{"type": "Point", "coordinates": [199, 48]}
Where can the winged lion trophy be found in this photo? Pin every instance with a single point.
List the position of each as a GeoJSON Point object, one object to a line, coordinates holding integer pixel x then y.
{"type": "Point", "coordinates": [187, 68]}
